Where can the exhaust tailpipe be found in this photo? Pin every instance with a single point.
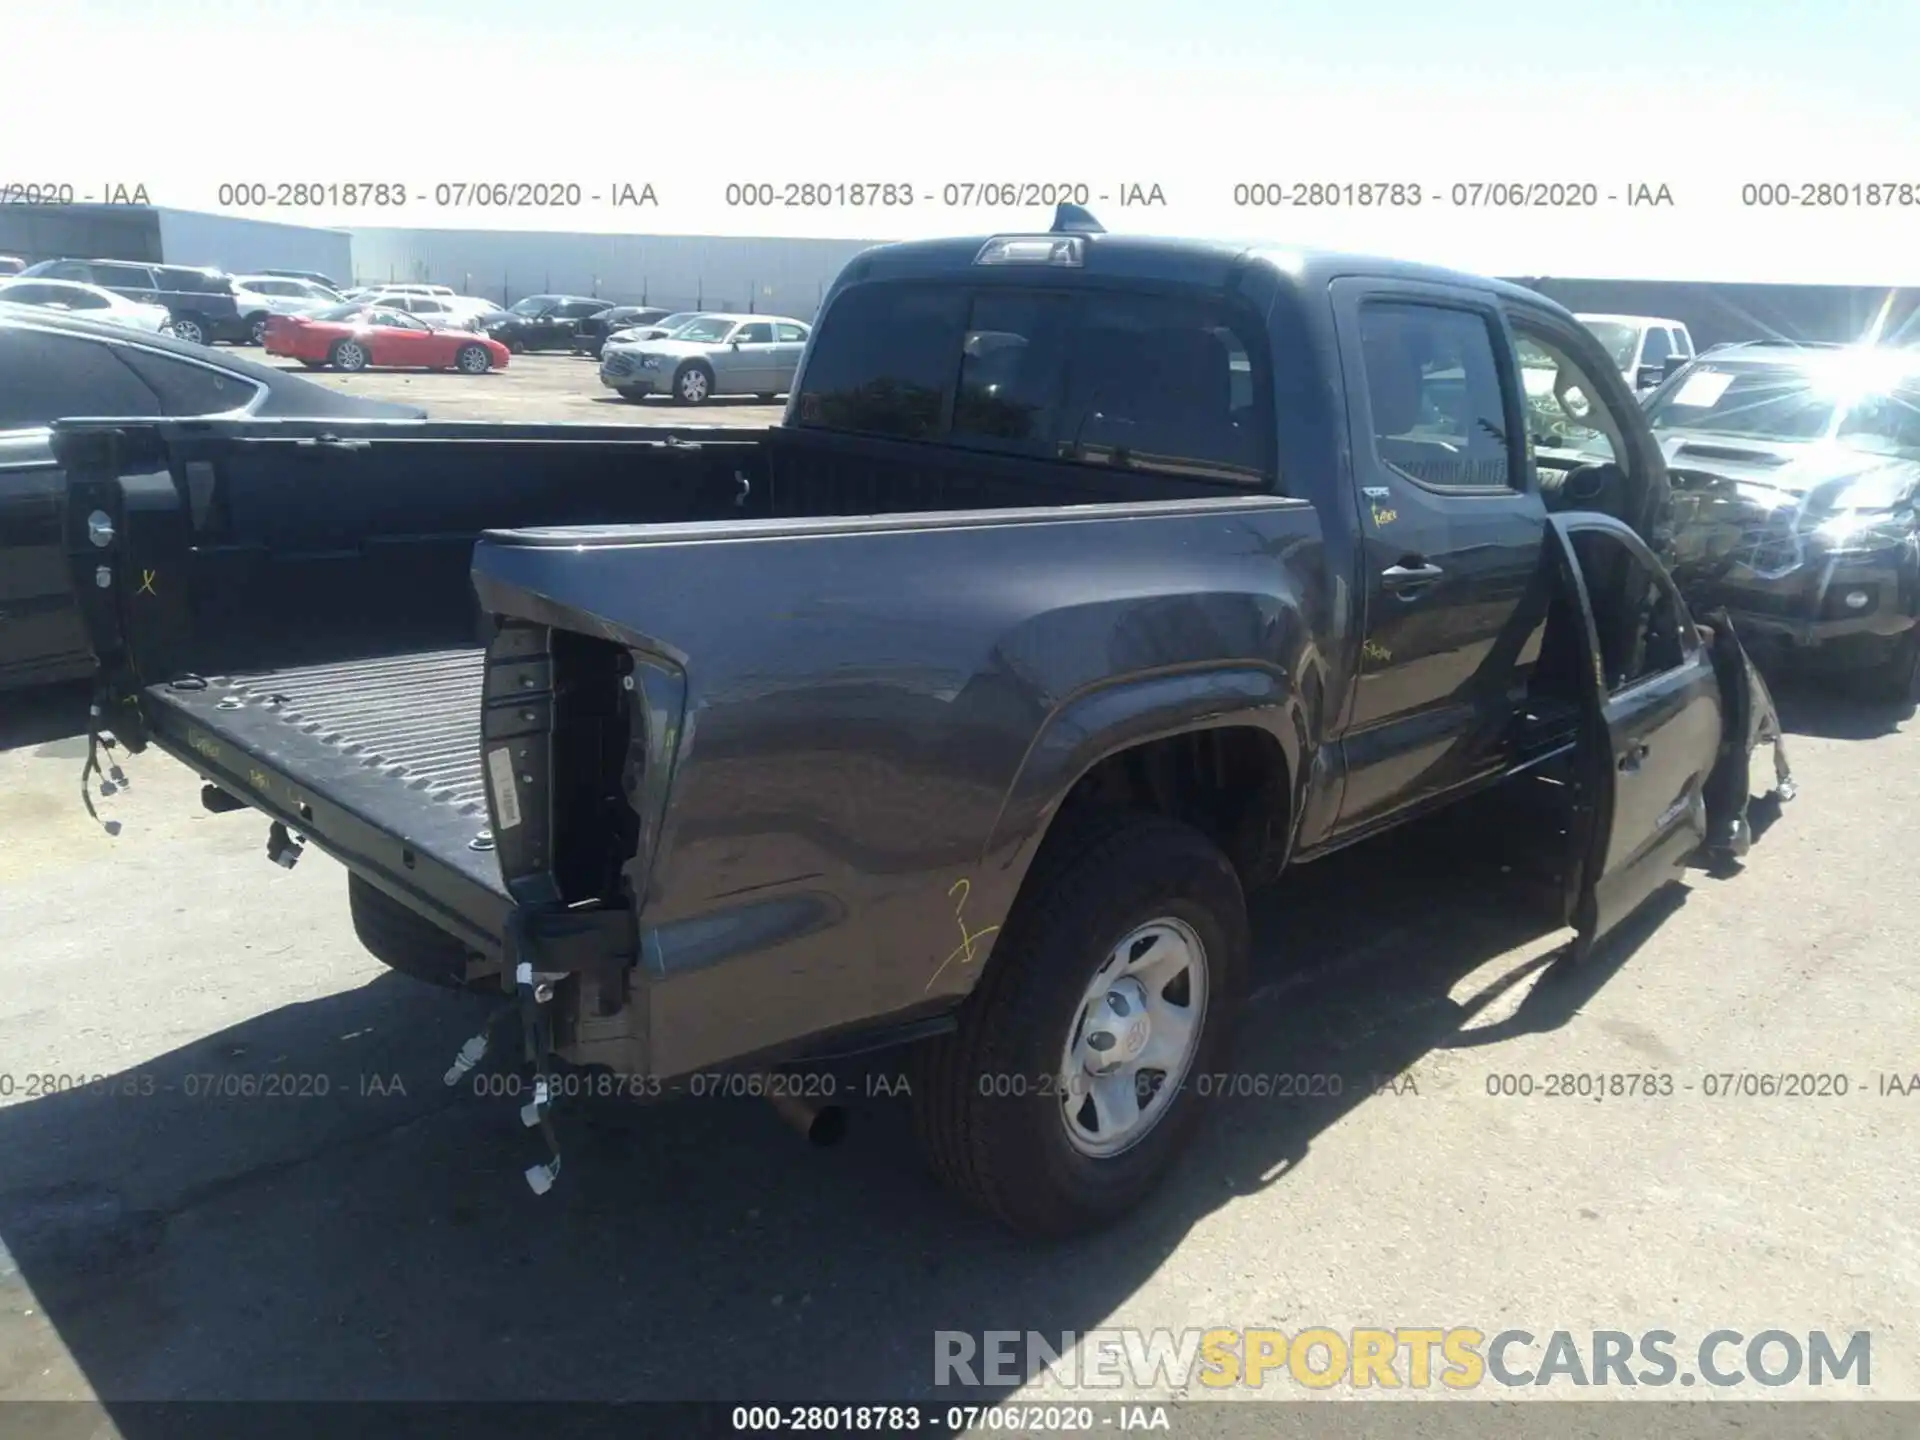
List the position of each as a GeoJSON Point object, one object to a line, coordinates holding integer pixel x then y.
{"type": "Point", "coordinates": [821, 1124]}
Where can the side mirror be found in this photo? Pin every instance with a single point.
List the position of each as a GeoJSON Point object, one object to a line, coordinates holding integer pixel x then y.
{"type": "Point", "coordinates": [1647, 376]}
{"type": "Point", "coordinates": [1673, 365]}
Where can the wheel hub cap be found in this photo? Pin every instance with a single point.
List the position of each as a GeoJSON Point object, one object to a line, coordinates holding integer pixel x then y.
{"type": "Point", "coordinates": [1118, 1027]}
{"type": "Point", "coordinates": [1133, 1038]}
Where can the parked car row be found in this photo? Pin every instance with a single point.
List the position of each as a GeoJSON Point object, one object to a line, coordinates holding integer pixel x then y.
{"type": "Point", "coordinates": [201, 303]}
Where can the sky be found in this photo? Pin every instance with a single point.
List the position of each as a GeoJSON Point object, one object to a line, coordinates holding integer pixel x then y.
{"type": "Point", "coordinates": [1703, 98]}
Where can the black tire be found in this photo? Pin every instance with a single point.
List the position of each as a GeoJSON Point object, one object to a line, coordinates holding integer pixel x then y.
{"type": "Point", "coordinates": [193, 329]}
{"type": "Point", "coordinates": [1896, 679]}
{"type": "Point", "coordinates": [692, 384]}
{"type": "Point", "coordinates": [1092, 886]}
{"type": "Point", "coordinates": [404, 941]}
{"type": "Point", "coordinates": [348, 355]}
{"type": "Point", "coordinates": [257, 329]}
{"type": "Point", "coordinates": [472, 359]}
{"type": "Point", "coordinates": [515, 347]}
{"type": "Point", "coordinates": [629, 393]}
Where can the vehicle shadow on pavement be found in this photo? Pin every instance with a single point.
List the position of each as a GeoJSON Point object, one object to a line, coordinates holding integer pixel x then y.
{"type": "Point", "coordinates": [1829, 712]}
{"type": "Point", "coordinates": [45, 715]}
{"type": "Point", "coordinates": [189, 1235]}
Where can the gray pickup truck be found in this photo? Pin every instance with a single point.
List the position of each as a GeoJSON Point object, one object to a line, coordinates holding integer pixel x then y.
{"type": "Point", "coordinates": [1088, 582]}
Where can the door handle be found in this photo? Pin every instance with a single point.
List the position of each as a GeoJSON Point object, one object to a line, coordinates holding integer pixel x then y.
{"type": "Point", "coordinates": [1413, 572]}
{"type": "Point", "coordinates": [1631, 757]}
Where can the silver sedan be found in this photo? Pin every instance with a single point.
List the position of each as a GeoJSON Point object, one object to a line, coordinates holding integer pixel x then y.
{"type": "Point", "coordinates": [711, 355]}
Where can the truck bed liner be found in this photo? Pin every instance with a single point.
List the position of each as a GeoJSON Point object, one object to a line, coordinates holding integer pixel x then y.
{"type": "Point", "coordinates": [376, 761]}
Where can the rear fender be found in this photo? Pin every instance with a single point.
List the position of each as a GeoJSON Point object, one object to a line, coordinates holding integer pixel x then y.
{"type": "Point", "coordinates": [1103, 722]}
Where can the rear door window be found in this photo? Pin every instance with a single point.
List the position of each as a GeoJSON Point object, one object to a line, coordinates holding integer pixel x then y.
{"type": "Point", "coordinates": [185, 388]}
{"type": "Point", "coordinates": [1642, 625]}
{"type": "Point", "coordinates": [44, 377]}
{"type": "Point", "coordinates": [123, 277]}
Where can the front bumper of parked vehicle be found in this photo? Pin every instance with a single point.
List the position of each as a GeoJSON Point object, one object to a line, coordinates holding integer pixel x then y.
{"type": "Point", "coordinates": [1845, 607]}
{"type": "Point", "coordinates": [625, 371]}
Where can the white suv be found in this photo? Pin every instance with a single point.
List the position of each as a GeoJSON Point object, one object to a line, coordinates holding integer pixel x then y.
{"type": "Point", "coordinates": [259, 296]}
{"type": "Point", "coordinates": [1645, 348]}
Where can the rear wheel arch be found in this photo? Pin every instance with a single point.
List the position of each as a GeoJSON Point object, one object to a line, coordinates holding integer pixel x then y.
{"type": "Point", "coordinates": [1222, 751]}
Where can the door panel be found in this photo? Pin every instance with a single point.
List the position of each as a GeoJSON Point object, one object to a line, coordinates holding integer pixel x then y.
{"type": "Point", "coordinates": [753, 368]}
{"type": "Point", "coordinates": [1654, 728]}
{"type": "Point", "coordinates": [1452, 530]}
{"type": "Point", "coordinates": [416, 347]}
{"type": "Point", "coordinates": [38, 621]}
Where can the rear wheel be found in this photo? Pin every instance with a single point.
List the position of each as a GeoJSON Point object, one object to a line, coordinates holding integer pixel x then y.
{"type": "Point", "coordinates": [257, 329]}
{"type": "Point", "coordinates": [348, 355]}
{"type": "Point", "coordinates": [693, 384]}
{"type": "Point", "coordinates": [402, 940]}
{"type": "Point", "coordinates": [1896, 678]}
{"type": "Point", "coordinates": [1066, 1094]}
{"type": "Point", "coordinates": [190, 328]}
{"type": "Point", "coordinates": [473, 359]}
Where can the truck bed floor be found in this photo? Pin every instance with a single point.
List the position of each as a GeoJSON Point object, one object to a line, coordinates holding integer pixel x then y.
{"type": "Point", "coordinates": [376, 760]}
{"type": "Point", "coordinates": [413, 718]}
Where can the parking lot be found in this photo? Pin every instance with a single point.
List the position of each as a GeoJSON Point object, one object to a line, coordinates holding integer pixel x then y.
{"type": "Point", "coordinates": [545, 386]}
{"type": "Point", "coordinates": [371, 1235]}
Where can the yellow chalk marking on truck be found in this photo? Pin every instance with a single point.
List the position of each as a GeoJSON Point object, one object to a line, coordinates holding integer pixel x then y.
{"type": "Point", "coordinates": [203, 744]}
{"type": "Point", "coordinates": [964, 952]}
{"type": "Point", "coordinates": [258, 779]}
{"type": "Point", "coordinates": [146, 584]}
{"type": "Point", "coordinates": [1383, 516]}
{"type": "Point", "coordinates": [1374, 650]}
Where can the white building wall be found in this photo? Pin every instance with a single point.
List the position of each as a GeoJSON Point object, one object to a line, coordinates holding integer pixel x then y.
{"type": "Point", "coordinates": [766, 275]}
{"type": "Point", "coordinates": [242, 246]}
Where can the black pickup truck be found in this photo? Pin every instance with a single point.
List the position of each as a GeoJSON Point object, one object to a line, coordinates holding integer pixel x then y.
{"type": "Point", "coordinates": [1088, 582]}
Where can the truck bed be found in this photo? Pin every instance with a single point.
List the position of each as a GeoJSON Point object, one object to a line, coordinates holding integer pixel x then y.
{"type": "Point", "coordinates": [379, 756]}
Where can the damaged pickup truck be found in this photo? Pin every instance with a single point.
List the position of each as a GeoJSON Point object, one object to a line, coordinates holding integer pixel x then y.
{"type": "Point", "coordinates": [1088, 582]}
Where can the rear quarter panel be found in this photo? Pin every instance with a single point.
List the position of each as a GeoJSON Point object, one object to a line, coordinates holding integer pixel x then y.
{"type": "Point", "coordinates": [881, 716]}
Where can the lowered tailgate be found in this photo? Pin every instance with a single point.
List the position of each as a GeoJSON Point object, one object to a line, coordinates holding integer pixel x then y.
{"type": "Point", "coordinates": [377, 761]}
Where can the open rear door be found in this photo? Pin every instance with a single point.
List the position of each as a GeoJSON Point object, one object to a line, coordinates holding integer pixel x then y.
{"type": "Point", "coordinates": [1654, 721]}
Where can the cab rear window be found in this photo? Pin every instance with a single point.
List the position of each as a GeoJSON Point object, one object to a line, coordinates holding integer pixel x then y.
{"type": "Point", "coordinates": [1172, 385]}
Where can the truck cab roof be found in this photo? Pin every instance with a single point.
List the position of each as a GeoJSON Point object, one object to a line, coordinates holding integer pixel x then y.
{"type": "Point", "coordinates": [1133, 259]}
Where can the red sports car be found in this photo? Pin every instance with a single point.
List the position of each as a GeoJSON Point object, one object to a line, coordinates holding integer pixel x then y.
{"type": "Point", "coordinates": [353, 337]}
